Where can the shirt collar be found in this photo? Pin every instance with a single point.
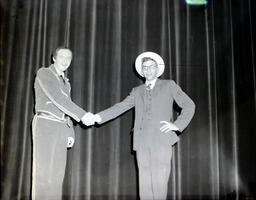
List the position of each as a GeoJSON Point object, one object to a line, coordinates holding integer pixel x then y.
{"type": "Point", "coordinates": [60, 73]}
{"type": "Point", "coordinates": [152, 83]}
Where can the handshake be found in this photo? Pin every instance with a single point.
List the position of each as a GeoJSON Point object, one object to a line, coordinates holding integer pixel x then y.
{"type": "Point", "coordinates": [89, 119]}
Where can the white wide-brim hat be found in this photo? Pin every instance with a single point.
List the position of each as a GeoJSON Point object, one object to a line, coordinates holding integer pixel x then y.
{"type": "Point", "coordinates": [155, 57]}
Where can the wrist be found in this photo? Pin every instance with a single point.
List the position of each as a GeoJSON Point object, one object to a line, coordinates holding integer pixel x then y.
{"type": "Point", "coordinates": [98, 118]}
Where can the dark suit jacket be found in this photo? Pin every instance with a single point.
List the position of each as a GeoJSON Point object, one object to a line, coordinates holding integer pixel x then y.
{"type": "Point", "coordinates": [147, 124]}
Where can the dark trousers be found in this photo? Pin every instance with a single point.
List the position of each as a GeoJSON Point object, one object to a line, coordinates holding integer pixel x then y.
{"type": "Point", "coordinates": [49, 158]}
{"type": "Point", "coordinates": [154, 165]}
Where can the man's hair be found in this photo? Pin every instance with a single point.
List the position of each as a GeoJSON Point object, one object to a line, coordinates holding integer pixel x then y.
{"type": "Point", "coordinates": [54, 53]}
{"type": "Point", "coordinates": [145, 59]}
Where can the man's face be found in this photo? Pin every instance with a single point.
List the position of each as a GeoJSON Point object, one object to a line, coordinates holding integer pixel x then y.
{"type": "Point", "coordinates": [149, 70]}
{"type": "Point", "coordinates": [62, 59]}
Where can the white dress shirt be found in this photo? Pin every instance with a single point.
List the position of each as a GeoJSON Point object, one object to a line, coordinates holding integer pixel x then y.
{"type": "Point", "coordinates": [152, 83]}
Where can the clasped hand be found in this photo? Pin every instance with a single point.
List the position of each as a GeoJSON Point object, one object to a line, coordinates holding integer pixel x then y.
{"type": "Point", "coordinates": [89, 119]}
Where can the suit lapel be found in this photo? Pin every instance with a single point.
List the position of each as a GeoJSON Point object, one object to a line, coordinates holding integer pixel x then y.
{"type": "Point", "coordinates": [156, 88]}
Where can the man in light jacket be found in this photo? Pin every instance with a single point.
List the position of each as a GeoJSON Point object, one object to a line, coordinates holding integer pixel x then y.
{"type": "Point", "coordinates": [52, 128]}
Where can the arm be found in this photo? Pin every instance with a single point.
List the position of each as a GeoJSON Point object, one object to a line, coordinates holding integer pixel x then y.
{"type": "Point", "coordinates": [50, 85]}
{"type": "Point", "coordinates": [186, 104]}
{"type": "Point", "coordinates": [118, 108]}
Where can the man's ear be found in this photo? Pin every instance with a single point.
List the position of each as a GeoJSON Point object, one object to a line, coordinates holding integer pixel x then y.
{"type": "Point", "coordinates": [53, 59]}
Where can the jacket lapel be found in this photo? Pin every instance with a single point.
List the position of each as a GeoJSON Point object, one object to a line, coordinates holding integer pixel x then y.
{"type": "Point", "coordinates": [156, 88]}
{"type": "Point", "coordinates": [65, 88]}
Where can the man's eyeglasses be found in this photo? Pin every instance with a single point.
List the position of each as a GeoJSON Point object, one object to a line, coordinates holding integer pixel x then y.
{"type": "Point", "coordinates": [150, 67]}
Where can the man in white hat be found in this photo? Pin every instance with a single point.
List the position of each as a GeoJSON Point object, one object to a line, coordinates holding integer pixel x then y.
{"type": "Point", "coordinates": [154, 129]}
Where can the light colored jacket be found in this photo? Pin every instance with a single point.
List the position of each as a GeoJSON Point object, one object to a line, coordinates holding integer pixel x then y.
{"type": "Point", "coordinates": [52, 95]}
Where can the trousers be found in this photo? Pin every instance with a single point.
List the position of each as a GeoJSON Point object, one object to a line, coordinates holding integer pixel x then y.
{"type": "Point", "coordinates": [154, 164]}
{"type": "Point", "coordinates": [49, 158]}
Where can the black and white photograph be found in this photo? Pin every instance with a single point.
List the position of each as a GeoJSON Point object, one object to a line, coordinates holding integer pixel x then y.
{"type": "Point", "coordinates": [128, 99]}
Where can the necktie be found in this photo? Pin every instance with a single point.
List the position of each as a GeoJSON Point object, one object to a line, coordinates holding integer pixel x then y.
{"type": "Point", "coordinates": [63, 79]}
{"type": "Point", "coordinates": [148, 87]}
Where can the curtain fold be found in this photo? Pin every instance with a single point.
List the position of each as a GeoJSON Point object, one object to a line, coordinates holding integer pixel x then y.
{"type": "Point", "coordinates": [208, 50]}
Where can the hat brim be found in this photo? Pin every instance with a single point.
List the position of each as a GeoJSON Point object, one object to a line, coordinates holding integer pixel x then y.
{"type": "Point", "coordinates": [154, 56]}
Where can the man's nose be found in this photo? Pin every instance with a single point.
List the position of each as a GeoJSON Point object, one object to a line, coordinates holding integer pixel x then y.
{"type": "Point", "coordinates": [65, 61]}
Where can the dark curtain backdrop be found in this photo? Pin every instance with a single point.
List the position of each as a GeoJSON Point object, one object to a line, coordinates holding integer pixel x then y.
{"type": "Point", "coordinates": [208, 50]}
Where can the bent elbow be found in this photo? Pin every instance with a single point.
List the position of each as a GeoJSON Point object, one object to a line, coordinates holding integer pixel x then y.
{"type": "Point", "coordinates": [193, 107]}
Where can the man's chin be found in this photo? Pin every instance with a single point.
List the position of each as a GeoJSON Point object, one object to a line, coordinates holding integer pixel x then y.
{"type": "Point", "coordinates": [64, 68]}
{"type": "Point", "coordinates": [150, 78]}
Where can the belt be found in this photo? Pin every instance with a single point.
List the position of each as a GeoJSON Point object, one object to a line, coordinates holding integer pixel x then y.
{"type": "Point", "coordinates": [49, 116]}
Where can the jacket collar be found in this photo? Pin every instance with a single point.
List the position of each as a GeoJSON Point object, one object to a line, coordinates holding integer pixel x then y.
{"type": "Point", "coordinates": [53, 69]}
{"type": "Point", "coordinates": [56, 71]}
{"type": "Point", "coordinates": [158, 82]}
{"type": "Point", "coordinates": [154, 90]}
